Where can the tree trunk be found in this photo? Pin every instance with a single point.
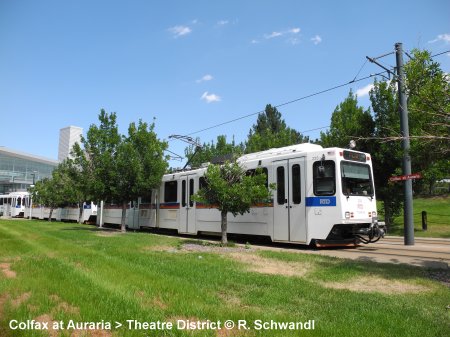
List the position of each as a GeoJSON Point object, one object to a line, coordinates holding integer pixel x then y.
{"type": "Point", "coordinates": [80, 214]}
{"type": "Point", "coordinates": [50, 214]}
{"type": "Point", "coordinates": [224, 227]}
{"type": "Point", "coordinates": [124, 214]}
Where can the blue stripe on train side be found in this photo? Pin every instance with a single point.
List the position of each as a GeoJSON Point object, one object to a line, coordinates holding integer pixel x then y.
{"type": "Point", "coordinates": [320, 201]}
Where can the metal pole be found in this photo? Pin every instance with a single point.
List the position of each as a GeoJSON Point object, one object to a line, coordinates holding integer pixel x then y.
{"type": "Point", "coordinates": [407, 184]}
{"type": "Point", "coordinates": [101, 214]}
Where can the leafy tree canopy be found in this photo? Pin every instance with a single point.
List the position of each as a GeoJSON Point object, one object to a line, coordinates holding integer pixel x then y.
{"type": "Point", "coordinates": [271, 131]}
{"type": "Point", "coordinates": [348, 121]}
{"type": "Point", "coordinates": [231, 190]}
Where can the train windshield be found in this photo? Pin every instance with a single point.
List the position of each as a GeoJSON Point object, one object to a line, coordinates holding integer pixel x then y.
{"type": "Point", "coordinates": [356, 179]}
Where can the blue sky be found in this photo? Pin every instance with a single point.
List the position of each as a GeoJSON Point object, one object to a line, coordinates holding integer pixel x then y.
{"type": "Point", "coordinates": [194, 64]}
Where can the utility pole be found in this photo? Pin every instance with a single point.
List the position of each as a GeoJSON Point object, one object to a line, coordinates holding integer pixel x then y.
{"type": "Point", "coordinates": [404, 129]}
{"type": "Point", "coordinates": [404, 125]}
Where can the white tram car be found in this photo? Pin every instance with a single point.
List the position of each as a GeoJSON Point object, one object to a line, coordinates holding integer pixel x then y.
{"type": "Point", "coordinates": [13, 204]}
{"type": "Point", "coordinates": [67, 213]}
{"type": "Point", "coordinates": [20, 205]}
{"type": "Point", "coordinates": [322, 196]}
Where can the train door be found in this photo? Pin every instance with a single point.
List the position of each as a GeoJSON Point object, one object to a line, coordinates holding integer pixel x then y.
{"type": "Point", "coordinates": [187, 207]}
{"type": "Point", "coordinates": [289, 203]}
{"type": "Point", "coordinates": [133, 215]}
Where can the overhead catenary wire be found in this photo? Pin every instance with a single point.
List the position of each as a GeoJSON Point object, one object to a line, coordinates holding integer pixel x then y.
{"type": "Point", "coordinates": [300, 99]}
{"type": "Point", "coordinates": [286, 103]}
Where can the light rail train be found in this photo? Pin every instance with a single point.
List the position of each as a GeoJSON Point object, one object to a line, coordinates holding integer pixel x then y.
{"type": "Point", "coordinates": [20, 205]}
{"type": "Point", "coordinates": [13, 204]}
{"type": "Point", "coordinates": [322, 196]}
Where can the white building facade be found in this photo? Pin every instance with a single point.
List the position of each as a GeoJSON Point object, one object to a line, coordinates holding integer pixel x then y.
{"type": "Point", "coordinates": [68, 136]}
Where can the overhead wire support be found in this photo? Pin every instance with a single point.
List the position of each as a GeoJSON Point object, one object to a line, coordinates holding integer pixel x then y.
{"type": "Point", "coordinates": [374, 60]}
{"type": "Point", "coordinates": [191, 141]}
{"type": "Point", "coordinates": [386, 70]}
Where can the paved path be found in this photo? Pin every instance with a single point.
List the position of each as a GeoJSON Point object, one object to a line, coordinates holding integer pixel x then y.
{"type": "Point", "coordinates": [427, 252]}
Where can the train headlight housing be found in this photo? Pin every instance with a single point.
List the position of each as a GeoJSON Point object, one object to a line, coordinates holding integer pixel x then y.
{"type": "Point", "coordinates": [374, 214]}
{"type": "Point", "coordinates": [347, 215]}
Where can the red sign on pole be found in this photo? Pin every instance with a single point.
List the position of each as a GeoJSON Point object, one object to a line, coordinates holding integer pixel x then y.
{"type": "Point", "coordinates": [406, 177]}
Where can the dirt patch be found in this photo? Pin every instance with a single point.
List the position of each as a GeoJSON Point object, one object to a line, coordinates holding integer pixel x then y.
{"type": "Point", "coordinates": [3, 299]}
{"type": "Point", "coordinates": [21, 299]}
{"type": "Point", "coordinates": [193, 247]}
{"type": "Point", "coordinates": [160, 248]}
{"type": "Point", "coordinates": [150, 302]}
{"type": "Point", "coordinates": [67, 308]}
{"type": "Point", "coordinates": [48, 319]}
{"type": "Point", "coordinates": [376, 284]}
{"type": "Point", "coordinates": [63, 306]}
{"type": "Point", "coordinates": [5, 268]}
{"type": "Point", "coordinates": [91, 333]}
{"type": "Point", "coordinates": [231, 299]}
{"type": "Point", "coordinates": [197, 248]}
{"type": "Point", "coordinates": [183, 318]}
{"type": "Point", "coordinates": [108, 233]}
{"type": "Point", "coordinates": [54, 298]}
{"type": "Point", "coordinates": [263, 265]}
{"type": "Point", "coordinates": [230, 333]}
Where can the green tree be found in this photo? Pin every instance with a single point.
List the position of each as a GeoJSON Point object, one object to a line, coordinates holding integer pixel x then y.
{"type": "Point", "coordinates": [51, 191]}
{"type": "Point", "coordinates": [231, 190]}
{"type": "Point", "coordinates": [212, 150]}
{"type": "Point", "coordinates": [428, 90]}
{"type": "Point", "coordinates": [75, 188]}
{"type": "Point", "coordinates": [140, 164]}
{"type": "Point", "coordinates": [348, 121]}
{"type": "Point", "coordinates": [271, 131]}
{"type": "Point", "coordinates": [386, 156]}
{"type": "Point", "coordinates": [121, 168]}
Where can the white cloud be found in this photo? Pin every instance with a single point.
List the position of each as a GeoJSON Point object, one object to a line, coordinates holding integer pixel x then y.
{"type": "Point", "coordinates": [178, 31]}
{"type": "Point", "coordinates": [316, 39]}
{"type": "Point", "coordinates": [209, 98]}
{"type": "Point", "coordinates": [364, 91]}
{"type": "Point", "coordinates": [441, 37]}
{"type": "Point", "coordinates": [222, 22]}
{"type": "Point", "coordinates": [254, 41]}
{"type": "Point", "coordinates": [294, 30]}
{"type": "Point", "coordinates": [272, 35]}
{"type": "Point", "coordinates": [205, 78]}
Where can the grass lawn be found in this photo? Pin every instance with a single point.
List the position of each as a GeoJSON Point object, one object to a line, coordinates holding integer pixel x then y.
{"type": "Point", "coordinates": [438, 214]}
{"type": "Point", "coordinates": [61, 272]}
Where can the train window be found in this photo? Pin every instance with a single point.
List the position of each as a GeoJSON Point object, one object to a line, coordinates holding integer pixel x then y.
{"type": "Point", "coordinates": [324, 177]}
{"type": "Point", "coordinates": [356, 179]}
{"type": "Point", "coordinates": [191, 192]}
{"type": "Point", "coordinates": [183, 193]}
{"type": "Point", "coordinates": [281, 196]}
{"type": "Point", "coordinates": [296, 185]}
{"type": "Point", "coordinates": [202, 183]}
{"type": "Point", "coordinates": [170, 191]}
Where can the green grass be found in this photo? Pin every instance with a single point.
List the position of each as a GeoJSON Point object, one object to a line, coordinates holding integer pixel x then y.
{"type": "Point", "coordinates": [438, 214]}
{"type": "Point", "coordinates": [70, 272]}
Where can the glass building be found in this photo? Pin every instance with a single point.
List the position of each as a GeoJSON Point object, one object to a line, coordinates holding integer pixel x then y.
{"type": "Point", "coordinates": [19, 170]}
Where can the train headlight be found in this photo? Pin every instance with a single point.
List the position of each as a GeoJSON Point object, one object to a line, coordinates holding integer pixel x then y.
{"type": "Point", "coordinates": [347, 215]}
{"type": "Point", "coordinates": [374, 214]}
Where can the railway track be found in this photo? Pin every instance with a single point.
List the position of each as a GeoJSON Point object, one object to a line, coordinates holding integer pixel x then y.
{"type": "Point", "coordinates": [426, 252]}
